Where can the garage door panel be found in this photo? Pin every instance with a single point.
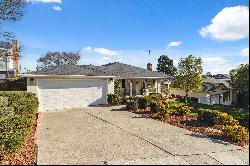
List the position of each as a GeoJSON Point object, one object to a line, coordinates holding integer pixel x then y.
{"type": "Point", "coordinates": [59, 94]}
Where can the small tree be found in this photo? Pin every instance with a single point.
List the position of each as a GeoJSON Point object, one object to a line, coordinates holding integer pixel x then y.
{"type": "Point", "coordinates": [166, 65]}
{"type": "Point", "coordinates": [52, 59]}
{"type": "Point", "coordinates": [240, 83]}
{"type": "Point", "coordinates": [189, 74]}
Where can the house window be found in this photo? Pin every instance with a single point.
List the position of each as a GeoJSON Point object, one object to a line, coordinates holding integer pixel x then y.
{"type": "Point", "coordinates": [123, 83]}
{"type": "Point", "coordinates": [226, 96]}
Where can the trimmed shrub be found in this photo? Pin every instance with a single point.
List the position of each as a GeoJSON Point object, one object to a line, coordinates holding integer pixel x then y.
{"type": "Point", "coordinates": [235, 133]}
{"type": "Point", "coordinates": [131, 104]}
{"type": "Point", "coordinates": [207, 116]}
{"type": "Point", "coordinates": [15, 127]}
{"type": "Point", "coordinates": [223, 118]}
{"type": "Point", "coordinates": [154, 97]}
{"type": "Point", "coordinates": [153, 106]}
{"type": "Point", "coordinates": [183, 110]}
{"type": "Point", "coordinates": [142, 102]}
{"type": "Point", "coordinates": [24, 103]}
{"type": "Point", "coordinates": [162, 110]}
{"type": "Point", "coordinates": [4, 111]}
{"type": "Point", "coordinates": [113, 99]}
{"type": "Point", "coordinates": [171, 104]}
{"type": "Point", "coordinates": [3, 101]}
{"type": "Point", "coordinates": [14, 130]}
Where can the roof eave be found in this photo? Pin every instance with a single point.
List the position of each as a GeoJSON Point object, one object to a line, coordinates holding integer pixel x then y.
{"type": "Point", "coordinates": [144, 77]}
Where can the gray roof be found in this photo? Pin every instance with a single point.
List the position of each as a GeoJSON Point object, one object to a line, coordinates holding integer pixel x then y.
{"type": "Point", "coordinates": [70, 70]}
{"type": "Point", "coordinates": [115, 69]}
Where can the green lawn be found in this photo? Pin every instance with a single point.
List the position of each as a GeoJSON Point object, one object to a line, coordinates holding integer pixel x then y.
{"type": "Point", "coordinates": [241, 114]}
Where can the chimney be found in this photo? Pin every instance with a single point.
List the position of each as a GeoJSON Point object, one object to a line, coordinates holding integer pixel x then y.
{"type": "Point", "coordinates": [149, 66]}
{"type": "Point", "coordinates": [16, 57]}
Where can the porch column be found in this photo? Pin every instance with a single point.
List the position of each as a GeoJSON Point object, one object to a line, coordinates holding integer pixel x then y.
{"type": "Point", "coordinates": [156, 85]}
{"type": "Point", "coordinates": [130, 88]}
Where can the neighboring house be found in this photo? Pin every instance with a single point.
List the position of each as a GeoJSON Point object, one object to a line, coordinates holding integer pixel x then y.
{"type": "Point", "coordinates": [69, 86]}
{"type": "Point", "coordinates": [216, 89]}
{"type": "Point", "coordinates": [9, 59]}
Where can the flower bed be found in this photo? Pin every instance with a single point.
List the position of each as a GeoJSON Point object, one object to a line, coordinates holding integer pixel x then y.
{"type": "Point", "coordinates": [208, 122]}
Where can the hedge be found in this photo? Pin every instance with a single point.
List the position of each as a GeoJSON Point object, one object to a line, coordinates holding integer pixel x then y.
{"type": "Point", "coordinates": [15, 127]}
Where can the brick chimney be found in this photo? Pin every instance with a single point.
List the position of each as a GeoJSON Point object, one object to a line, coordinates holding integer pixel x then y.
{"type": "Point", "coordinates": [149, 66]}
{"type": "Point", "coordinates": [16, 57]}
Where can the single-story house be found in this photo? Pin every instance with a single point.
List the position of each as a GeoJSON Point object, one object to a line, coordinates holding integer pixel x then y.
{"type": "Point", "coordinates": [214, 92]}
{"type": "Point", "coordinates": [74, 86]}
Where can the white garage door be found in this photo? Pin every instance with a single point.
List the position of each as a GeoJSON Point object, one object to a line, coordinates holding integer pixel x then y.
{"type": "Point", "coordinates": [60, 94]}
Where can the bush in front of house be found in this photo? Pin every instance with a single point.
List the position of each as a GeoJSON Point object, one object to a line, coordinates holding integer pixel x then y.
{"type": "Point", "coordinates": [113, 99]}
{"type": "Point", "coordinates": [163, 110]}
{"type": "Point", "coordinates": [154, 97]}
{"type": "Point", "coordinates": [24, 103]}
{"type": "Point", "coordinates": [183, 110]}
{"type": "Point", "coordinates": [207, 116]}
{"type": "Point", "coordinates": [223, 118]}
{"type": "Point", "coordinates": [142, 102]}
{"type": "Point", "coordinates": [132, 104]}
{"type": "Point", "coordinates": [235, 133]}
{"type": "Point", "coordinates": [153, 106]}
{"type": "Point", "coordinates": [153, 100]}
{"type": "Point", "coordinates": [15, 127]}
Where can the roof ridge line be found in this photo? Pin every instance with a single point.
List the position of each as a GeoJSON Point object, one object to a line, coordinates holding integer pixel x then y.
{"type": "Point", "coordinates": [97, 70]}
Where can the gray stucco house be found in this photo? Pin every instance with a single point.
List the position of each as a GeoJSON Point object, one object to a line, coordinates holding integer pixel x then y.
{"type": "Point", "coordinates": [69, 86]}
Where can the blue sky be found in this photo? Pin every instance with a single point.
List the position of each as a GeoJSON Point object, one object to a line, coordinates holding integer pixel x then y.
{"type": "Point", "coordinates": [121, 30]}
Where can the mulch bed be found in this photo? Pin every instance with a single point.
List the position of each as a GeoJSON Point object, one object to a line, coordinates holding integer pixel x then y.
{"type": "Point", "coordinates": [190, 123]}
{"type": "Point", "coordinates": [27, 155]}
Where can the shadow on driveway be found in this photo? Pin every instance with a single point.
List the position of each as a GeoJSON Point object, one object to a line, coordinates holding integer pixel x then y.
{"type": "Point", "coordinates": [196, 135]}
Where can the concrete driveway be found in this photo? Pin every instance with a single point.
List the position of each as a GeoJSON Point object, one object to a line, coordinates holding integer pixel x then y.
{"type": "Point", "coordinates": [107, 135]}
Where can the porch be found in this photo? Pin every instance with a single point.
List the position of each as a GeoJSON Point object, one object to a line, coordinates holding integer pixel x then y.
{"type": "Point", "coordinates": [139, 86]}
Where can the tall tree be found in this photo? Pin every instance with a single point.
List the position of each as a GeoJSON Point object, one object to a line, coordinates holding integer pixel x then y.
{"type": "Point", "coordinates": [240, 84]}
{"type": "Point", "coordinates": [189, 74]}
{"type": "Point", "coordinates": [52, 59]}
{"type": "Point", "coordinates": [10, 11]}
{"type": "Point", "coordinates": [166, 65]}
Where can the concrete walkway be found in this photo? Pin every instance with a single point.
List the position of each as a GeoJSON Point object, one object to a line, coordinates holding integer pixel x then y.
{"type": "Point", "coordinates": [109, 136]}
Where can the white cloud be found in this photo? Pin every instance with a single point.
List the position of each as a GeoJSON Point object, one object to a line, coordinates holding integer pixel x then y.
{"type": "Point", "coordinates": [101, 51]}
{"type": "Point", "coordinates": [106, 58]}
{"type": "Point", "coordinates": [106, 52]}
{"type": "Point", "coordinates": [57, 8]}
{"type": "Point", "coordinates": [245, 52]}
{"type": "Point", "coordinates": [44, 1]}
{"type": "Point", "coordinates": [174, 43]}
{"type": "Point", "coordinates": [214, 61]}
{"type": "Point", "coordinates": [230, 24]}
{"type": "Point", "coordinates": [87, 49]}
